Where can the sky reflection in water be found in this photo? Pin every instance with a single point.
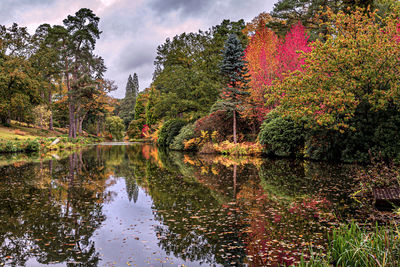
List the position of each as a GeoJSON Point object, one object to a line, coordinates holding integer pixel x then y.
{"type": "Point", "coordinates": [137, 205]}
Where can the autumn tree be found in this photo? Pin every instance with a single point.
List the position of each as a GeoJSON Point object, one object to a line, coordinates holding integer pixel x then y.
{"type": "Point", "coordinates": [349, 83]}
{"type": "Point", "coordinates": [262, 64]}
{"type": "Point", "coordinates": [234, 70]}
{"type": "Point", "coordinates": [257, 24]}
{"type": "Point", "coordinates": [269, 58]}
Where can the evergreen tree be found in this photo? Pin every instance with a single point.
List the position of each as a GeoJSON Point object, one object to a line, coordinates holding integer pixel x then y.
{"type": "Point", "coordinates": [286, 13]}
{"type": "Point", "coordinates": [135, 87]}
{"type": "Point", "coordinates": [82, 66]}
{"type": "Point", "coordinates": [129, 87]}
{"type": "Point", "coordinates": [127, 110]}
{"type": "Point", "coordinates": [235, 71]}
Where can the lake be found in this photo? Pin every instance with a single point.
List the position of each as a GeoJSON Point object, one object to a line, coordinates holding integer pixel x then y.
{"type": "Point", "coordinates": [137, 205]}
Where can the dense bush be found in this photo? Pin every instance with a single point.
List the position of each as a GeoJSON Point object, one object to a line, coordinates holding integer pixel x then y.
{"type": "Point", "coordinates": [282, 137]}
{"type": "Point", "coordinates": [370, 133]}
{"type": "Point", "coordinates": [169, 130]}
{"type": "Point", "coordinates": [20, 146]}
{"type": "Point", "coordinates": [115, 126]}
{"type": "Point", "coordinates": [32, 145]}
{"type": "Point", "coordinates": [135, 128]}
{"type": "Point", "coordinates": [186, 133]}
{"type": "Point", "coordinates": [219, 121]}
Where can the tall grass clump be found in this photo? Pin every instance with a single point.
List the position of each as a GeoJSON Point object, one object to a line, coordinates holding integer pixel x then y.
{"type": "Point", "coordinates": [351, 245]}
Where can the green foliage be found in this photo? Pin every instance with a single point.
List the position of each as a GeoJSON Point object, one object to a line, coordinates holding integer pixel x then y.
{"type": "Point", "coordinates": [374, 133]}
{"type": "Point", "coordinates": [153, 98]}
{"type": "Point", "coordinates": [115, 126]}
{"type": "Point", "coordinates": [222, 105]}
{"type": "Point", "coordinates": [351, 245]}
{"type": "Point", "coordinates": [41, 115]}
{"type": "Point", "coordinates": [234, 70]}
{"type": "Point", "coordinates": [140, 109]}
{"type": "Point", "coordinates": [20, 146]}
{"type": "Point", "coordinates": [185, 134]}
{"type": "Point", "coordinates": [127, 108]}
{"type": "Point", "coordinates": [187, 71]}
{"type": "Point", "coordinates": [135, 128]}
{"type": "Point", "coordinates": [281, 136]}
{"type": "Point", "coordinates": [286, 13]}
{"type": "Point", "coordinates": [169, 130]}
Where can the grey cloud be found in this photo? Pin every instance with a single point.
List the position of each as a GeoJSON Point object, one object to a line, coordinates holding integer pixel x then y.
{"type": "Point", "coordinates": [123, 20]}
{"type": "Point", "coordinates": [8, 8]}
{"type": "Point", "coordinates": [186, 7]}
{"type": "Point", "coordinates": [132, 58]}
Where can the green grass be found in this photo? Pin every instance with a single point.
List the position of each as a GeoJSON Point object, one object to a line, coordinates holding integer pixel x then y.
{"type": "Point", "coordinates": [351, 245]}
{"type": "Point", "coordinates": [19, 131]}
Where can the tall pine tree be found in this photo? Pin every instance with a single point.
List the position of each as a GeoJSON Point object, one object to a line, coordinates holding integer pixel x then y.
{"type": "Point", "coordinates": [127, 110]}
{"type": "Point", "coordinates": [234, 71]}
{"type": "Point", "coordinates": [135, 85]}
{"type": "Point", "coordinates": [129, 87]}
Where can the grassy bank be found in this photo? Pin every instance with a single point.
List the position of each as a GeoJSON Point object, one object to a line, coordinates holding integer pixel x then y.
{"type": "Point", "coordinates": [21, 138]}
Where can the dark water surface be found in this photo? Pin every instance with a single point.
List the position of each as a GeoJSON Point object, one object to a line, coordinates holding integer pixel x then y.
{"type": "Point", "coordinates": [138, 206]}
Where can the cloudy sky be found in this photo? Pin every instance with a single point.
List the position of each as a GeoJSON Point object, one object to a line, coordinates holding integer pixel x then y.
{"type": "Point", "coordinates": [132, 29]}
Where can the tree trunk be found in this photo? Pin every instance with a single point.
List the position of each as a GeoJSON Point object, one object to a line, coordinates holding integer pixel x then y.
{"type": "Point", "coordinates": [51, 112]}
{"type": "Point", "coordinates": [81, 119]}
{"type": "Point", "coordinates": [98, 127]}
{"type": "Point", "coordinates": [8, 121]}
{"type": "Point", "coordinates": [76, 123]}
{"type": "Point", "coordinates": [71, 106]}
{"type": "Point", "coordinates": [80, 125]}
{"type": "Point", "coordinates": [234, 181]}
{"type": "Point", "coordinates": [234, 127]}
{"type": "Point", "coordinates": [71, 131]}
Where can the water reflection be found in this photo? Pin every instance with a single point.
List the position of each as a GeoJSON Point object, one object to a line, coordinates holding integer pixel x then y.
{"type": "Point", "coordinates": [126, 205]}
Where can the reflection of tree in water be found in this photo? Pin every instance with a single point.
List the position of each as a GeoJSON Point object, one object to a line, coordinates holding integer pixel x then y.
{"type": "Point", "coordinates": [49, 211]}
{"type": "Point", "coordinates": [208, 212]}
{"type": "Point", "coordinates": [289, 179]}
{"type": "Point", "coordinates": [128, 170]}
{"type": "Point", "coordinates": [195, 226]}
{"type": "Point", "coordinates": [132, 189]}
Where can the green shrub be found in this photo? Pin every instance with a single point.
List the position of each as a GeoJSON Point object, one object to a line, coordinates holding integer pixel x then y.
{"type": "Point", "coordinates": [282, 137]}
{"type": "Point", "coordinates": [135, 128]}
{"type": "Point", "coordinates": [32, 145]}
{"type": "Point", "coordinates": [11, 147]}
{"type": "Point", "coordinates": [115, 126]}
{"type": "Point", "coordinates": [169, 130]}
{"type": "Point", "coordinates": [186, 133]}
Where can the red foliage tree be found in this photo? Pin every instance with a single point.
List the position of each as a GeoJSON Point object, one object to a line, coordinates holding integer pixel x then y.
{"type": "Point", "coordinates": [270, 58]}
{"type": "Point", "coordinates": [288, 53]}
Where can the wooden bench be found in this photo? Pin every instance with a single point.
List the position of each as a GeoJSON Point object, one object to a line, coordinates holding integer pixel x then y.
{"type": "Point", "coordinates": [386, 198]}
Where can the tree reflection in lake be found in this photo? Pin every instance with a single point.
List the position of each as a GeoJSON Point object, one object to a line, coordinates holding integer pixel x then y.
{"type": "Point", "coordinates": [206, 209]}
{"type": "Point", "coordinates": [50, 210]}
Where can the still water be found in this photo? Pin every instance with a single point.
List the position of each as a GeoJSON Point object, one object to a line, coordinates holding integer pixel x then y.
{"type": "Point", "coordinates": [139, 206]}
